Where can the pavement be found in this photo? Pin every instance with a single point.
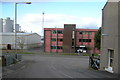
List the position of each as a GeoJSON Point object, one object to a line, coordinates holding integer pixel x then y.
{"type": "Point", "coordinates": [39, 65]}
{"type": "Point", "coordinates": [53, 66]}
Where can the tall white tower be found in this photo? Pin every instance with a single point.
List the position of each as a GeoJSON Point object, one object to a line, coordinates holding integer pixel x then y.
{"type": "Point", "coordinates": [8, 27]}
{"type": "Point", "coordinates": [1, 25]}
{"type": "Point", "coordinates": [17, 27]}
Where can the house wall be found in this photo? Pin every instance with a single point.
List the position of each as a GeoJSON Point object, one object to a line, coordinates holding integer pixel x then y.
{"type": "Point", "coordinates": [67, 38]}
{"type": "Point", "coordinates": [58, 43]}
{"type": "Point", "coordinates": [90, 45]}
{"type": "Point", "coordinates": [109, 35]}
{"type": "Point", "coordinates": [29, 40]}
{"type": "Point", "coordinates": [48, 40]}
{"type": "Point", "coordinates": [49, 35]}
{"type": "Point", "coordinates": [118, 38]}
{"type": "Point", "coordinates": [33, 40]}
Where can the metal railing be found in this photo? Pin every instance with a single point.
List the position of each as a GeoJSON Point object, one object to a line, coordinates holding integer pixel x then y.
{"type": "Point", "coordinates": [94, 62]}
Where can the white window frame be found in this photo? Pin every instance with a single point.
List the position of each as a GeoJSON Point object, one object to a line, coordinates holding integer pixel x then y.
{"type": "Point", "coordinates": [109, 68]}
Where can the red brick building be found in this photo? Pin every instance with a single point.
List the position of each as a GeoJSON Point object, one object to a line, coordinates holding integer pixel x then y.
{"type": "Point", "coordinates": [69, 39]}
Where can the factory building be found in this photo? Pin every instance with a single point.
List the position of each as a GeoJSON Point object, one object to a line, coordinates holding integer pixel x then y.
{"type": "Point", "coordinates": [24, 40]}
{"type": "Point", "coordinates": [18, 28]}
{"type": "Point", "coordinates": [110, 53]}
{"type": "Point", "coordinates": [8, 25]}
{"type": "Point", "coordinates": [69, 39]}
{"type": "Point", "coordinates": [1, 25]}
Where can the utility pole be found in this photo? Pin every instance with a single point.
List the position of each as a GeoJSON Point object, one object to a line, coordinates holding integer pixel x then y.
{"type": "Point", "coordinates": [43, 23]}
{"type": "Point", "coordinates": [15, 22]}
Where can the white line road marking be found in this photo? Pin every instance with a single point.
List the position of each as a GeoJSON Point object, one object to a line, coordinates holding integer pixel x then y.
{"type": "Point", "coordinates": [23, 67]}
{"type": "Point", "coordinates": [60, 71]}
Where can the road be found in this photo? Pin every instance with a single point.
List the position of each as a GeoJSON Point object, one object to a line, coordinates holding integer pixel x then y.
{"type": "Point", "coordinates": [53, 66]}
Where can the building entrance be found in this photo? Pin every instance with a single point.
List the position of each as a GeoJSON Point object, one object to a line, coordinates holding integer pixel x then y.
{"type": "Point", "coordinates": [110, 60]}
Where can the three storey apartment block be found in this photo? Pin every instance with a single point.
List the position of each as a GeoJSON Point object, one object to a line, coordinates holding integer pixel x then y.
{"type": "Point", "coordinates": [69, 39]}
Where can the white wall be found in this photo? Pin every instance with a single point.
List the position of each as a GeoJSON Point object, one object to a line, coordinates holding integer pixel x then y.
{"type": "Point", "coordinates": [33, 40]}
{"type": "Point", "coordinates": [8, 26]}
{"type": "Point", "coordinates": [29, 40]}
{"type": "Point", "coordinates": [1, 25]}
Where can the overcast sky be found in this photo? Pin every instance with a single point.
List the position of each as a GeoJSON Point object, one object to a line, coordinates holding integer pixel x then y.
{"type": "Point", "coordinates": [83, 14]}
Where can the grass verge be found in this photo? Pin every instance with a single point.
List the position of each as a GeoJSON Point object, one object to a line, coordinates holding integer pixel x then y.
{"type": "Point", "coordinates": [25, 53]}
{"type": "Point", "coordinates": [86, 54]}
{"type": "Point", "coordinates": [68, 54]}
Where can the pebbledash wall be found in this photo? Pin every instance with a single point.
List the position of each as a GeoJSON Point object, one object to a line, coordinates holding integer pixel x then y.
{"type": "Point", "coordinates": [109, 59]}
{"type": "Point", "coordinates": [68, 40]}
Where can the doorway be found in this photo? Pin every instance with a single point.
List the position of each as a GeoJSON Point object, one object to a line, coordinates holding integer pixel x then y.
{"type": "Point", "coordinates": [110, 60]}
{"type": "Point", "coordinates": [9, 46]}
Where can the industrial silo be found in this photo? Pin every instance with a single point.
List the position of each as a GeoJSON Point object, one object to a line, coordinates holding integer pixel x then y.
{"type": "Point", "coordinates": [1, 25]}
{"type": "Point", "coordinates": [17, 28]}
{"type": "Point", "coordinates": [8, 26]}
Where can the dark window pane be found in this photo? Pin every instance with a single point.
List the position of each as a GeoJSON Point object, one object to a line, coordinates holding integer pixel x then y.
{"type": "Point", "coordinates": [53, 39]}
{"type": "Point", "coordinates": [60, 40]}
{"type": "Point", "coordinates": [80, 32]}
{"type": "Point", "coordinates": [89, 40]}
{"type": "Point", "coordinates": [53, 47]}
{"type": "Point", "coordinates": [59, 47]}
{"type": "Point", "coordinates": [60, 32]}
{"type": "Point", "coordinates": [80, 40]}
{"type": "Point", "coordinates": [54, 32]}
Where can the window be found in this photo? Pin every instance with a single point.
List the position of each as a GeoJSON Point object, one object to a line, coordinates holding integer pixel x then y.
{"type": "Point", "coordinates": [57, 32]}
{"type": "Point", "coordinates": [72, 42]}
{"type": "Point", "coordinates": [89, 33]}
{"type": "Point", "coordinates": [80, 40]}
{"type": "Point", "coordinates": [53, 47]}
{"type": "Point", "coordinates": [42, 39]}
{"type": "Point", "coordinates": [85, 32]}
{"type": "Point", "coordinates": [54, 32]}
{"type": "Point", "coordinates": [59, 47]}
{"type": "Point", "coordinates": [60, 32]}
{"type": "Point", "coordinates": [80, 32]}
{"type": "Point", "coordinates": [60, 40]}
{"type": "Point", "coordinates": [73, 34]}
{"type": "Point", "coordinates": [84, 40]}
{"type": "Point", "coordinates": [53, 39]}
{"type": "Point", "coordinates": [111, 56]}
{"type": "Point", "coordinates": [88, 40]}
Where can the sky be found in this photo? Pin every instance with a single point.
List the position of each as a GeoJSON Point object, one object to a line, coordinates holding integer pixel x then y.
{"type": "Point", "coordinates": [83, 14]}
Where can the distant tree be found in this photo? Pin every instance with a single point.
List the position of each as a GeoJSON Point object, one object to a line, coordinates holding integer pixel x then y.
{"type": "Point", "coordinates": [21, 42]}
{"type": "Point", "coordinates": [97, 39]}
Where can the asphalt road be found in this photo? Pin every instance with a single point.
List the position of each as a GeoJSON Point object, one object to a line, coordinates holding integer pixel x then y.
{"type": "Point", "coordinates": [53, 66]}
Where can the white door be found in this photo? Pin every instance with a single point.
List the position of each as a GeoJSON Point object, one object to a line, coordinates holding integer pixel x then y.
{"type": "Point", "coordinates": [110, 60]}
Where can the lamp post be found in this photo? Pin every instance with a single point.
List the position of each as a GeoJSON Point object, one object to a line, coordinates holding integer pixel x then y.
{"type": "Point", "coordinates": [15, 22]}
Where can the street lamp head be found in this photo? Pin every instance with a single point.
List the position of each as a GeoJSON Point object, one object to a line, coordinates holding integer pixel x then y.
{"type": "Point", "coordinates": [23, 2]}
{"type": "Point", "coordinates": [28, 2]}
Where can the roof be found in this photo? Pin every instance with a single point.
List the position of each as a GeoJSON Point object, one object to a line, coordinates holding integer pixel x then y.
{"type": "Point", "coordinates": [105, 5]}
{"type": "Point", "coordinates": [108, 1]}
{"type": "Point", "coordinates": [87, 30]}
{"type": "Point", "coordinates": [53, 28]}
{"type": "Point", "coordinates": [76, 29]}
{"type": "Point", "coordinates": [20, 34]}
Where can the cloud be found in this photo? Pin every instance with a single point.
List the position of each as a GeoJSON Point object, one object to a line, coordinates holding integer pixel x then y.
{"type": "Point", "coordinates": [33, 22]}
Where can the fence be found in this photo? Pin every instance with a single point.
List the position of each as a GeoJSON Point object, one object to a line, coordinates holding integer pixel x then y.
{"type": "Point", "coordinates": [10, 58]}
